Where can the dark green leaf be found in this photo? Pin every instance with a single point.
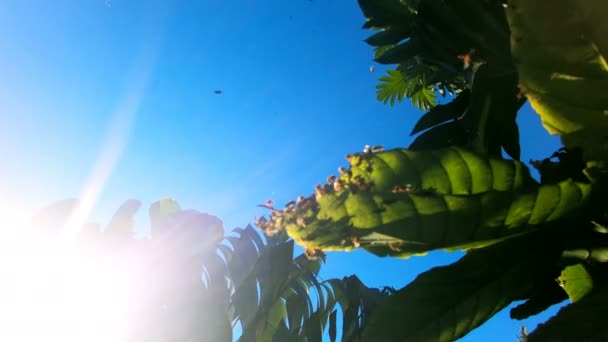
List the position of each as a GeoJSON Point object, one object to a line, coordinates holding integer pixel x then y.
{"type": "Point", "coordinates": [400, 52]}
{"type": "Point", "coordinates": [443, 113]}
{"type": "Point", "coordinates": [389, 36]}
{"type": "Point", "coordinates": [584, 320]}
{"type": "Point", "coordinates": [547, 293]}
{"type": "Point", "coordinates": [296, 306]}
{"type": "Point", "coordinates": [245, 300]}
{"type": "Point", "coordinates": [332, 326]}
{"type": "Point", "coordinates": [313, 266]}
{"type": "Point", "coordinates": [441, 136]}
{"type": "Point", "coordinates": [379, 51]}
{"type": "Point", "coordinates": [445, 303]}
{"type": "Point", "coordinates": [312, 328]}
{"type": "Point", "coordinates": [382, 13]}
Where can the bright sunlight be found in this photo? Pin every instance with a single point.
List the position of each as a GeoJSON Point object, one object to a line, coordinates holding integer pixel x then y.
{"type": "Point", "coordinates": [56, 292]}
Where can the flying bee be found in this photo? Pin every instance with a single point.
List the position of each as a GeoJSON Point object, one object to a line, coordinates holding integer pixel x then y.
{"type": "Point", "coordinates": [338, 185]}
{"type": "Point", "coordinates": [372, 69]}
{"type": "Point", "coordinates": [367, 149]}
{"type": "Point", "coordinates": [377, 148]}
{"type": "Point", "coordinates": [331, 179]}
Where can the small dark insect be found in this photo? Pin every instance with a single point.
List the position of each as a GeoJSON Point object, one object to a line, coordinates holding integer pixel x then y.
{"type": "Point", "coordinates": [217, 92]}
{"type": "Point", "coordinates": [343, 170]}
{"type": "Point", "coordinates": [372, 69]}
{"type": "Point", "coordinates": [378, 148]}
{"type": "Point", "coordinates": [348, 157]}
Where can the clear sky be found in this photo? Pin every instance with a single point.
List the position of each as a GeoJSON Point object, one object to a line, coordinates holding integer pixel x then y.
{"type": "Point", "coordinates": [118, 102]}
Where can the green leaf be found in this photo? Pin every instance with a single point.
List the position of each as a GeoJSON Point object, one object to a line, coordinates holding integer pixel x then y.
{"type": "Point", "coordinates": [313, 266]}
{"type": "Point", "coordinates": [312, 328]}
{"type": "Point", "coordinates": [561, 51]}
{"type": "Point", "coordinates": [441, 136]}
{"type": "Point", "coordinates": [272, 321]}
{"type": "Point", "coordinates": [424, 99]}
{"type": "Point", "coordinates": [389, 36]}
{"type": "Point", "coordinates": [379, 51]}
{"type": "Point", "coordinates": [443, 113]}
{"type": "Point", "coordinates": [392, 87]}
{"type": "Point", "coordinates": [296, 306]}
{"type": "Point", "coordinates": [407, 82]}
{"type": "Point", "coordinates": [400, 52]}
{"type": "Point", "coordinates": [576, 281]}
{"type": "Point", "coordinates": [491, 116]}
{"type": "Point", "coordinates": [382, 13]}
{"type": "Point", "coordinates": [245, 300]}
{"type": "Point", "coordinates": [584, 320]}
{"type": "Point", "coordinates": [548, 292]}
{"type": "Point", "coordinates": [332, 326]}
{"type": "Point", "coordinates": [447, 302]}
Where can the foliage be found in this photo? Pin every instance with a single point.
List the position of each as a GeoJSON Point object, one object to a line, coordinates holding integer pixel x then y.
{"type": "Point", "coordinates": [450, 47]}
{"type": "Point", "coordinates": [451, 189]}
{"type": "Point", "coordinates": [563, 69]}
{"type": "Point", "coordinates": [206, 283]}
{"type": "Point", "coordinates": [541, 243]}
{"type": "Point", "coordinates": [400, 202]}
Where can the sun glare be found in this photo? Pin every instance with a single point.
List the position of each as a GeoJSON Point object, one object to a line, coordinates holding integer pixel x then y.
{"type": "Point", "coordinates": [53, 293]}
{"type": "Point", "coordinates": [53, 290]}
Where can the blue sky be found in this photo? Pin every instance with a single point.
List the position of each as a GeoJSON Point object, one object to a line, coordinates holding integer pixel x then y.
{"type": "Point", "coordinates": [138, 78]}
